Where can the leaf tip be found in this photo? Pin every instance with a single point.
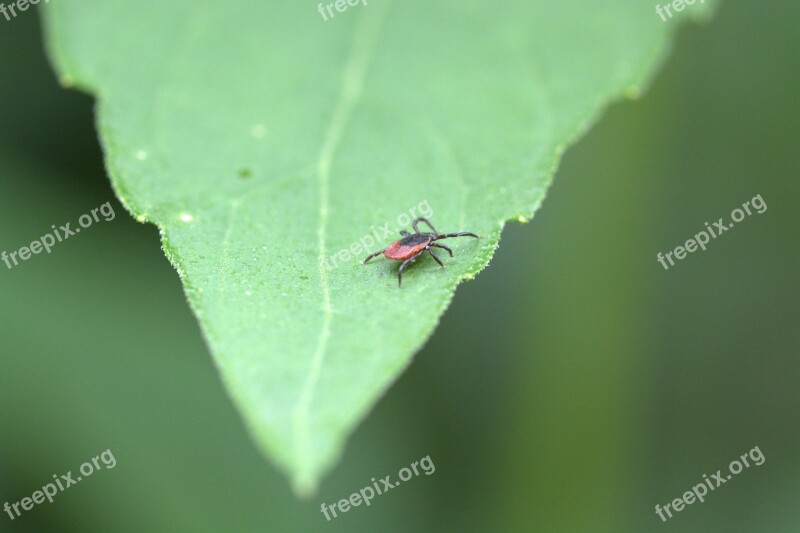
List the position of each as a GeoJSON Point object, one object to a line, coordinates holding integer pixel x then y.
{"type": "Point", "coordinates": [304, 486]}
{"type": "Point", "coordinates": [66, 81]}
{"type": "Point", "coordinates": [633, 92]}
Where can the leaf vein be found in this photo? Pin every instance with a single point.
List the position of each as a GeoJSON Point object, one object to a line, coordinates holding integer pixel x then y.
{"type": "Point", "coordinates": [350, 93]}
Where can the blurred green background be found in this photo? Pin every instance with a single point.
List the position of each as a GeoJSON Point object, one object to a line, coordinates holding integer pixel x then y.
{"type": "Point", "coordinates": [571, 387]}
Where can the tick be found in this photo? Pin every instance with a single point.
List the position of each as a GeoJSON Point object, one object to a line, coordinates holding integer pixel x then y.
{"type": "Point", "coordinates": [412, 245]}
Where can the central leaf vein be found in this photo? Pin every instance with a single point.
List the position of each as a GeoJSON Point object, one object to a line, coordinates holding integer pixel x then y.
{"type": "Point", "coordinates": [351, 89]}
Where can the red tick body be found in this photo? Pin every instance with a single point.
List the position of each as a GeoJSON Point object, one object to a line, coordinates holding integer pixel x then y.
{"type": "Point", "coordinates": [407, 247]}
{"type": "Point", "coordinates": [413, 245]}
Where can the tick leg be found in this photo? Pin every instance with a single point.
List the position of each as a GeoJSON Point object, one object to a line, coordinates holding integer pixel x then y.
{"type": "Point", "coordinates": [404, 233]}
{"type": "Point", "coordinates": [434, 257]}
{"type": "Point", "coordinates": [459, 234]}
{"type": "Point", "coordinates": [443, 247]}
{"type": "Point", "coordinates": [370, 256]}
{"type": "Point", "coordinates": [406, 262]}
{"type": "Point", "coordinates": [426, 221]}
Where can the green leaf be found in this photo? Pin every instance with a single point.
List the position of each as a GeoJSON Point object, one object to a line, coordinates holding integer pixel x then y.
{"type": "Point", "coordinates": [262, 139]}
